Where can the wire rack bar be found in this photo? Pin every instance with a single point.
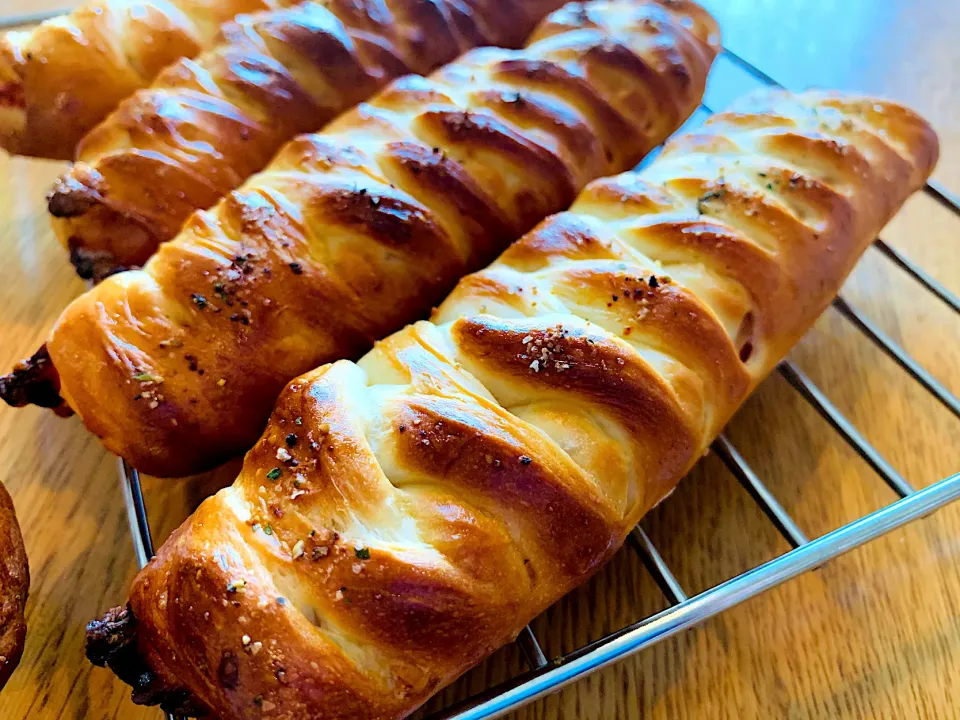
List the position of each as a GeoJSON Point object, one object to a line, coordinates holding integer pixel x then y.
{"type": "Point", "coordinates": [137, 517]}
{"type": "Point", "coordinates": [634, 638]}
{"type": "Point", "coordinates": [751, 69]}
{"type": "Point", "coordinates": [761, 495]}
{"type": "Point", "coordinates": [942, 195]}
{"type": "Point", "coordinates": [821, 403]}
{"type": "Point", "coordinates": [136, 513]}
{"type": "Point", "coordinates": [657, 566]}
{"type": "Point", "coordinates": [531, 649]}
{"type": "Point", "coordinates": [899, 355]}
{"type": "Point", "coordinates": [919, 274]}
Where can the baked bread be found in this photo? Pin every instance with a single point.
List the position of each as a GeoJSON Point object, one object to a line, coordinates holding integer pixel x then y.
{"type": "Point", "coordinates": [403, 516]}
{"type": "Point", "coordinates": [353, 232]}
{"type": "Point", "coordinates": [206, 125]}
{"type": "Point", "coordinates": [14, 584]}
{"type": "Point", "coordinates": [62, 77]}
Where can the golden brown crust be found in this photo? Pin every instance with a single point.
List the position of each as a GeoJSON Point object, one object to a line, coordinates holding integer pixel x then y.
{"type": "Point", "coordinates": [14, 585]}
{"type": "Point", "coordinates": [205, 125]}
{"type": "Point", "coordinates": [416, 509]}
{"type": "Point", "coordinates": [61, 78]}
{"type": "Point", "coordinates": [352, 232]}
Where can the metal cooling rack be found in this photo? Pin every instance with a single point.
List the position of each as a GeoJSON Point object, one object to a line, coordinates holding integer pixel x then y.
{"type": "Point", "coordinates": [547, 675]}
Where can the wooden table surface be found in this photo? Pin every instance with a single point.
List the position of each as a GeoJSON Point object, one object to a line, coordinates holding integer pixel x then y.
{"type": "Point", "coordinates": [875, 634]}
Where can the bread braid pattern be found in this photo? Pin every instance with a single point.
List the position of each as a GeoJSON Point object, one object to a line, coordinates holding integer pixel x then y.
{"type": "Point", "coordinates": [403, 516]}
{"type": "Point", "coordinates": [62, 77]}
{"type": "Point", "coordinates": [205, 125]}
{"type": "Point", "coordinates": [353, 232]}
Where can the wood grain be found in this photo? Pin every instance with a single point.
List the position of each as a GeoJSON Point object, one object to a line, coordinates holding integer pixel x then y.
{"type": "Point", "coordinates": [875, 634]}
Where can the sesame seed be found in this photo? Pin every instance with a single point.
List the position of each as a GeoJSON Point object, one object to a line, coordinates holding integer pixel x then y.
{"type": "Point", "coordinates": [320, 552]}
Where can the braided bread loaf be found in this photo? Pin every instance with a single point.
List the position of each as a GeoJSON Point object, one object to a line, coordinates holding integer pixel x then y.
{"type": "Point", "coordinates": [61, 78]}
{"type": "Point", "coordinates": [404, 516]}
{"type": "Point", "coordinates": [204, 126]}
{"type": "Point", "coordinates": [353, 232]}
{"type": "Point", "coordinates": [14, 584]}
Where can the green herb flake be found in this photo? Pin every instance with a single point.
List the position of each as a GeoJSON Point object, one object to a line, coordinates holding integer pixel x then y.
{"type": "Point", "coordinates": [704, 199]}
{"type": "Point", "coordinates": [268, 530]}
{"type": "Point", "coordinates": [199, 300]}
{"type": "Point", "coordinates": [363, 553]}
{"type": "Point", "coordinates": [147, 377]}
{"type": "Point", "coordinates": [273, 474]}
